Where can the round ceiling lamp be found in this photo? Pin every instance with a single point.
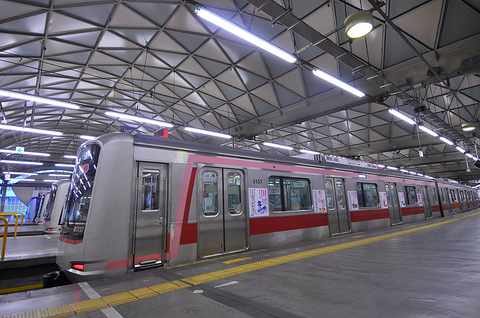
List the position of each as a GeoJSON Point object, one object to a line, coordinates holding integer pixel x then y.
{"type": "Point", "coordinates": [359, 24]}
{"type": "Point", "coordinates": [468, 127]}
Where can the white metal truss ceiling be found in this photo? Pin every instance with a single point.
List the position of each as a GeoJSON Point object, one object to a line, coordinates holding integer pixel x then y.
{"type": "Point", "coordinates": [157, 59]}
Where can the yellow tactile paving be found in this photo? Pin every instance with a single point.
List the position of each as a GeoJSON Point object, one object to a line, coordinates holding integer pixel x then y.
{"type": "Point", "coordinates": [57, 312]}
{"type": "Point", "coordinates": [89, 305]}
{"type": "Point", "coordinates": [236, 260]}
{"type": "Point", "coordinates": [117, 299]}
{"type": "Point", "coordinates": [133, 295]}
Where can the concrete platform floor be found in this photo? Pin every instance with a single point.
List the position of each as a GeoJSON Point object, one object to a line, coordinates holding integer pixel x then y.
{"type": "Point", "coordinates": [425, 269]}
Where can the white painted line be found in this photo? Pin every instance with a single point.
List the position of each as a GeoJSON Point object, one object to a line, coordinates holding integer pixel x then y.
{"type": "Point", "coordinates": [109, 312]}
{"type": "Point", "coordinates": [198, 291]}
{"type": "Point", "coordinates": [227, 284]}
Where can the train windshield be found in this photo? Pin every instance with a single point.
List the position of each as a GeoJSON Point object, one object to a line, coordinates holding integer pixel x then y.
{"type": "Point", "coordinates": [80, 192]}
{"type": "Point", "coordinates": [51, 199]}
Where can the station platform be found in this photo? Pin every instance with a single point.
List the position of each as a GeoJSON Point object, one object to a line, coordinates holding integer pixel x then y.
{"type": "Point", "coordinates": [425, 269]}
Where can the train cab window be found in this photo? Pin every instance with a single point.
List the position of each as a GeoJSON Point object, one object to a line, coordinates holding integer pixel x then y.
{"type": "Point", "coordinates": [51, 199]}
{"type": "Point", "coordinates": [367, 194]}
{"type": "Point", "coordinates": [80, 191]}
{"type": "Point", "coordinates": [289, 194]}
{"type": "Point", "coordinates": [234, 180]}
{"type": "Point", "coordinates": [434, 194]}
{"type": "Point", "coordinates": [411, 195]}
{"type": "Point", "coordinates": [210, 193]}
{"type": "Point", "coordinates": [150, 189]}
{"type": "Point", "coordinates": [329, 194]}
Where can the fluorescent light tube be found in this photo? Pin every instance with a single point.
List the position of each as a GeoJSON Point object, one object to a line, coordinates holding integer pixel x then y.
{"type": "Point", "coordinates": [392, 168]}
{"type": "Point", "coordinates": [206, 132]}
{"type": "Point", "coordinates": [138, 119]}
{"type": "Point", "coordinates": [381, 166]}
{"type": "Point", "coordinates": [59, 175]}
{"type": "Point", "coordinates": [85, 137]}
{"type": "Point", "coordinates": [401, 116]}
{"type": "Point", "coordinates": [461, 149]}
{"type": "Point", "coordinates": [469, 155]}
{"type": "Point", "coordinates": [247, 36]}
{"type": "Point", "coordinates": [64, 165]}
{"type": "Point", "coordinates": [269, 144]}
{"type": "Point", "coordinates": [18, 162]}
{"type": "Point", "coordinates": [31, 130]}
{"type": "Point", "coordinates": [428, 131]}
{"type": "Point", "coordinates": [335, 81]}
{"type": "Point", "coordinates": [38, 99]}
{"type": "Point", "coordinates": [69, 157]}
{"type": "Point", "coordinates": [414, 173]}
{"type": "Point", "coordinates": [21, 173]}
{"type": "Point", "coordinates": [46, 180]}
{"type": "Point", "coordinates": [309, 152]}
{"type": "Point", "coordinates": [15, 179]}
{"type": "Point", "coordinates": [405, 171]}
{"type": "Point", "coordinates": [445, 140]}
{"type": "Point", "coordinates": [27, 153]}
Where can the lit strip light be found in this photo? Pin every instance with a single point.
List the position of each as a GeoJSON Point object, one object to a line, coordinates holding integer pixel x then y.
{"type": "Point", "coordinates": [269, 144]}
{"type": "Point", "coordinates": [85, 137]}
{"type": "Point", "coordinates": [392, 168]}
{"type": "Point", "coordinates": [69, 157]}
{"type": "Point", "coordinates": [206, 132]}
{"type": "Point", "coordinates": [139, 119]}
{"type": "Point", "coordinates": [401, 116]}
{"type": "Point", "coordinates": [445, 140]}
{"type": "Point", "coordinates": [59, 175]}
{"type": "Point", "coordinates": [15, 162]}
{"type": "Point", "coordinates": [32, 130]}
{"type": "Point", "coordinates": [309, 152]}
{"type": "Point", "coordinates": [38, 99]}
{"type": "Point", "coordinates": [27, 153]}
{"type": "Point", "coordinates": [335, 81]}
{"type": "Point", "coordinates": [247, 36]}
{"type": "Point", "coordinates": [428, 131]}
{"type": "Point", "coordinates": [64, 165]}
{"type": "Point", "coordinates": [15, 179]}
{"type": "Point", "coordinates": [461, 149]}
{"type": "Point", "coordinates": [469, 155]}
{"type": "Point", "coordinates": [20, 173]}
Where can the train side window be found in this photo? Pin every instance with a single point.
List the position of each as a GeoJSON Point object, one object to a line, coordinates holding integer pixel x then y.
{"type": "Point", "coordinates": [210, 193]}
{"type": "Point", "coordinates": [442, 197]}
{"type": "Point", "coordinates": [150, 189]}
{"type": "Point", "coordinates": [367, 194]}
{"type": "Point", "coordinates": [434, 194]}
{"type": "Point", "coordinates": [453, 196]}
{"type": "Point", "coordinates": [289, 194]}
{"type": "Point", "coordinates": [411, 195]}
{"type": "Point", "coordinates": [329, 194]}
{"type": "Point", "coordinates": [462, 195]}
{"type": "Point", "coordinates": [234, 181]}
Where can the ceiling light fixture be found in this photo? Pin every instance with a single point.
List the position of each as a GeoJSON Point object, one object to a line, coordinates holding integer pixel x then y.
{"type": "Point", "coordinates": [469, 155]}
{"type": "Point", "coordinates": [31, 130]}
{"type": "Point", "coordinates": [59, 175]}
{"type": "Point", "coordinates": [69, 157]}
{"type": "Point", "coordinates": [20, 173]}
{"type": "Point", "coordinates": [207, 132]}
{"type": "Point", "coordinates": [428, 131]}
{"type": "Point", "coordinates": [64, 165]}
{"type": "Point", "coordinates": [447, 141]}
{"type": "Point", "coordinates": [468, 127]}
{"type": "Point", "coordinates": [310, 152]}
{"type": "Point", "coordinates": [392, 168]}
{"type": "Point", "coordinates": [359, 24]}
{"type": "Point", "coordinates": [269, 144]}
{"type": "Point", "coordinates": [27, 153]}
{"type": "Point", "coordinates": [138, 119]}
{"type": "Point", "coordinates": [396, 113]}
{"type": "Point", "coordinates": [19, 162]}
{"type": "Point", "coordinates": [38, 99]}
{"type": "Point", "coordinates": [247, 36]}
{"type": "Point", "coordinates": [15, 179]}
{"type": "Point", "coordinates": [335, 81]}
{"type": "Point", "coordinates": [85, 137]}
{"type": "Point", "coordinates": [461, 149]}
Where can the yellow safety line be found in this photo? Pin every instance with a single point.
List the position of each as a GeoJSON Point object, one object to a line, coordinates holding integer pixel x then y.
{"type": "Point", "coordinates": [21, 288]}
{"type": "Point", "coordinates": [134, 295]}
{"type": "Point", "coordinates": [236, 260]}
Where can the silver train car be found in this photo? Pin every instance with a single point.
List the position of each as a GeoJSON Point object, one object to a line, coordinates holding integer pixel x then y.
{"type": "Point", "coordinates": [56, 202]}
{"type": "Point", "coordinates": [139, 201]}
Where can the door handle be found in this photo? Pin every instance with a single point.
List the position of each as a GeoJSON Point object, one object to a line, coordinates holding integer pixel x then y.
{"type": "Point", "coordinates": [160, 221]}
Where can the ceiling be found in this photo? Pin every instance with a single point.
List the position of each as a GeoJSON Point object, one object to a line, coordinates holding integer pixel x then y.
{"type": "Point", "coordinates": [158, 60]}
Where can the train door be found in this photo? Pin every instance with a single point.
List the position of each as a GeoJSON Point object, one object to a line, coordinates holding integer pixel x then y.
{"type": "Point", "coordinates": [338, 220]}
{"type": "Point", "coordinates": [222, 220]}
{"type": "Point", "coordinates": [150, 214]}
{"type": "Point", "coordinates": [449, 201]}
{"type": "Point", "coordinates": [393, 205]}
{"type": "Point", "coordinates": [427, 208]}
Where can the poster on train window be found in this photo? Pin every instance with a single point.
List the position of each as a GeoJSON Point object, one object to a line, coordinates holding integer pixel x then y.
{"type": "Point", "coordinates": [419, 199]}
{"type": "Point", "coordinates": [383, 200]}
{"type": "Point", "coordinates": [401, 198]}
{"type": "Point", "coordinates": [319, 204]}
{"type": "Point", "coordinates": [353, 200]}
{"type": "Point", "coordinates": [258, 202]}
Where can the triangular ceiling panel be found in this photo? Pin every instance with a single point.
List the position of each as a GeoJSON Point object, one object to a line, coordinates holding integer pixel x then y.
{"type": "Point", "coordinates": [267, 93]}
{"type": "Point", "coordinates": [184, 21]}
{"type": "Point", "coordinates": [459, 15]}
{"type": "Point", "coordinates": [243, 102]}
{"type": "Point", "coordinates": [156, 12]}
{"type": "Point", "coordinates": [261, 107]}
{"type": "Point", "coordinates": [110, 40]}
{"type": "Point", "coordinates": [172, 59]}
{"type": "Point", "coordinates": [60, 23]}
{"type": "Point", "coordinates": [293, 80]}
{"type": "Point", "coordinates": [212, 51]}
{"type": "Point", "coordinates": [251, 80]}
{"type": "Point", "coordinates": [212, 67]}
{"type": "Point", "coordinates": [126, 18]}
{"type": "Point", "coordinates": [276, 66]}
{"type": "Point", "coordinates": [234, 50]}
{"type": "Point", "coordinates": [32, 24]}
{"type": "Point", "coordinates": [255, 63]}
{"type": "Point", "coordinates": [94, 13]}
{"type": "Point", "coordinates": [87, 38]}
{"type": "Point", "coordinates": [189, 41]}
{"type": "Point", "coordinates": [285, 96]}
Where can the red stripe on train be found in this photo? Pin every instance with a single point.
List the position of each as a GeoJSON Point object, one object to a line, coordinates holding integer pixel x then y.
{"type": "Point", "coordinates": [286, 223]}
{"type": "Point", "coordinates": [369, 215]}
{"type": "Point", "coordinates": [413, 210]}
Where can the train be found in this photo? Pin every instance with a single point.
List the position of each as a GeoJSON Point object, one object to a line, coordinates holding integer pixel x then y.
{"type": "Point", "coordinates": [56, 200]}
{"type": "Point", "coordinates": [136, 202]}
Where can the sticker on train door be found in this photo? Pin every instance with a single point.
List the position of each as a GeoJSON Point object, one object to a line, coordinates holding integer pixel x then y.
{"type": "Point", "coordinates": [383, 200]}
{"type": "Point", "coordinates": [258, 202]}
{"type": "Point", "coordinates": [419, 198]}
{"type": "Point", "coordinates": [401, 198]}
{"type": "Point", "coordinates": [353, 200]}
{"type": "Point", "coordinates": [319, 205]}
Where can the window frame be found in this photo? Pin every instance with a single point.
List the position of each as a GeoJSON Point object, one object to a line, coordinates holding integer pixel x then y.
{"type": "Point", "coordinates": [283, 192]}
{"type": "Point", "coordinates": [408, 196]}
{"type": "Point", "coordinates": [362, 202]}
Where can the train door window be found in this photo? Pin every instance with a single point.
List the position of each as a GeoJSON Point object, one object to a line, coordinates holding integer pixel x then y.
{"type": "Point", "coordinates": [210, 193]}
{"type": "Point", "coordinates": [367, 194]}
{"type": "Point", "coordinates": [434, 194]}
{"type": "Point", "coordinates": [462, 196]}
{"type": "Point", "coordinates": [234, 183]}
{"type": "Point", "coordinates": [411, 195]}
{"type": "Point", "coordinates": [329, 194]}
{"type": "Point", "coordinates": [453, 196]}
{"type": "Point", "coordinates": [295, 194]}
{"type": "Point", "coordinates": [340, 194]}
{"type": "Point", "coordinates": [150, 189]}
{"type": "Point", "coordinates": [442, 197]}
